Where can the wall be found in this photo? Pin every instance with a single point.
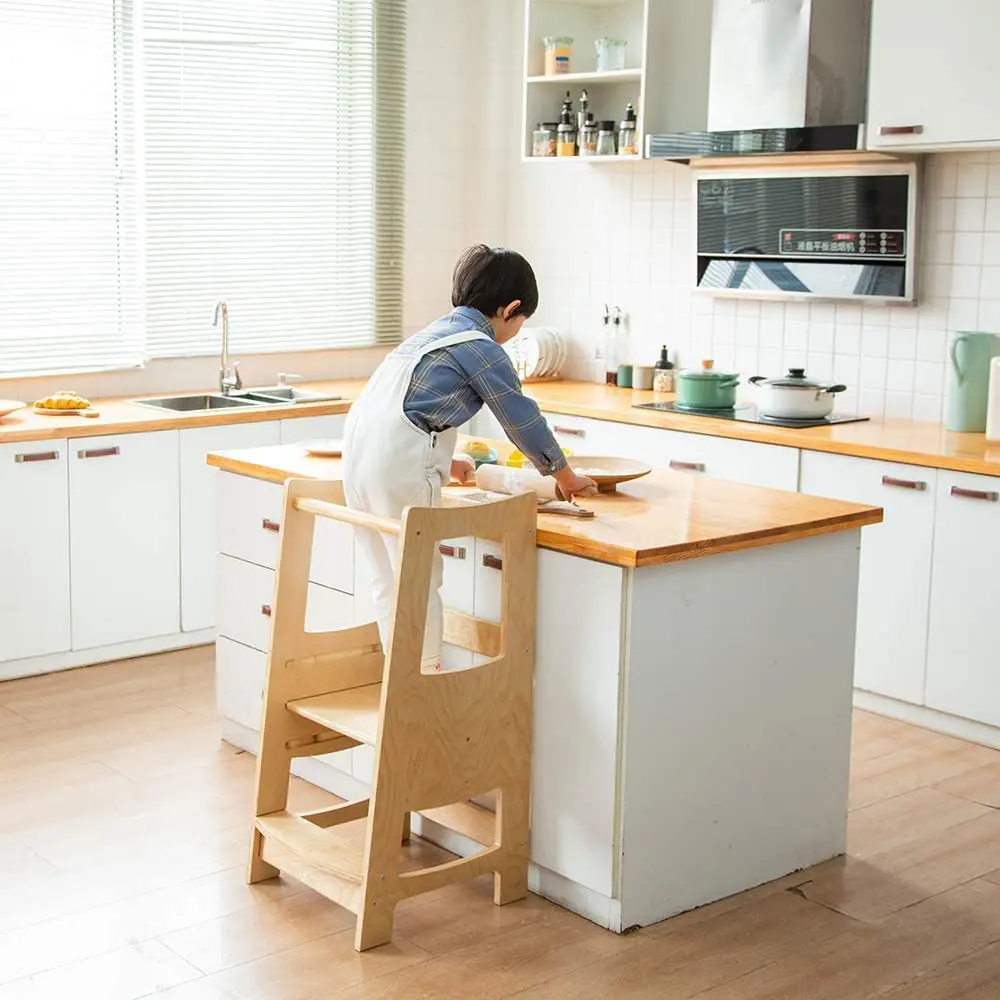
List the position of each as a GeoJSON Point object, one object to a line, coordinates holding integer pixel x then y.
{"type": "Point", "coordinates": [445, 207]}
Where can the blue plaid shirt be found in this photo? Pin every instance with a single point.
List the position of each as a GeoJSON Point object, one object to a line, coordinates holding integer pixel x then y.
{"type": "Point", "coordinates": [449, 387]}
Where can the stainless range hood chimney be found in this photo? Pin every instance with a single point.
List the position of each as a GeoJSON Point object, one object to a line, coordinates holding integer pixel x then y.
{"type": "Point", "coordinates": [784, 76]}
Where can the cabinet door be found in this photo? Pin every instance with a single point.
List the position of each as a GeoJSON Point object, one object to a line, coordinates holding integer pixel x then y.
{"type": "Point", "coordinates": [895, 574]}
{"type": "Point", "coordinates": [585, 436]}
{"type": "Point", "coordinates": [34, 550]}
{"type": "Point", "coordinates": [313, 428]}
{"type": "Point", "coordinates": [124, 537]}
{"type": "Point", "coordinates": [199, 543]}
{"type": "Point", "coordinates": [963, 667]}
{"type": "Point", "coordinates": [931, 79]}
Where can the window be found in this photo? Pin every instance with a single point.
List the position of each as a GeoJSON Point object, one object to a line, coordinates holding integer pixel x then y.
{"type": "Point", "coordinates": [267, 171]}
{"type": "Point", "coordinates": [68, 297]}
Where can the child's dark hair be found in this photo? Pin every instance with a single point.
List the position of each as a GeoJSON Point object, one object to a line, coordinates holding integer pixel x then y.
{"type": "Point", "coordinates": [490, 278]}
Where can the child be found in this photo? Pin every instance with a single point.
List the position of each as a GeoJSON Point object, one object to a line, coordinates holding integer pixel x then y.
{"type": "Point", "coordinates": [402, 430]}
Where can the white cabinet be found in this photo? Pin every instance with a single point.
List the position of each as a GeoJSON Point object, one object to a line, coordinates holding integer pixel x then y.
{"type": "Point", "coordinates": [895, 575]}
{"type": "Point", "coordinates": [931, 78]}
{"type": "Point", "coordinates": [34, 550]}
{"type": "Point", "coordinates": [124, 537]}
{"type": "Point", "coordinates": [313, 428]}
{"type": "Point", "coordinates": [199, 512]}
{"type": "Point", "coordinates": [963, 665]}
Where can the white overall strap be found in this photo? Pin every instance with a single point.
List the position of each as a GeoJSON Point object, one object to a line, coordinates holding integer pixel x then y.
{"type": "Point", "coordinates": [452, 340]}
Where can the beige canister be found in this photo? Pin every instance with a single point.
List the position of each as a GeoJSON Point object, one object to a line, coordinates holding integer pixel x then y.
{"type": "Point", "coordinates": [993, 406]}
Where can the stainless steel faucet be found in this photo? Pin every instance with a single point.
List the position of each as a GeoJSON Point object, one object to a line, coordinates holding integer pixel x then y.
{"type": "Point", "coordinates": [229, 378]}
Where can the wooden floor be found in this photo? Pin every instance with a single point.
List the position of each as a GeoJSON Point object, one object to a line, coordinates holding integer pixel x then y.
{"type": "Point", "coordinates": [123, 832]}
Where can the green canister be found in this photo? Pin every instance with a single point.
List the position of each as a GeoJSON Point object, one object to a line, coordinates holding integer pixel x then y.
{"type": "Point", "coordinates": [969, 381]}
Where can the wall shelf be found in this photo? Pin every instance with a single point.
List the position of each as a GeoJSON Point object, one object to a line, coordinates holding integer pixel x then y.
{"type": "Point", "coordinates": [569, 79]}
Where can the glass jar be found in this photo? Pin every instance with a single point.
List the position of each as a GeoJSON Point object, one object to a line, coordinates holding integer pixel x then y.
{"type": "Point", "coordinates": [543, 142]}
{"type": "Point", "coordinates": [663, 380]}
{"type": "Point", "coordinates": [628, 135]}
{"type": "Point", "coordinates": [558, 53]}
{"type": "Point", "coordinates": [606, 139]}
{"type": "Point", "coordinates": [610, 55]}
{"type": "Point", "coordinates": [588, 139]}
{"type": "Point", "coordinates": [566, 140]}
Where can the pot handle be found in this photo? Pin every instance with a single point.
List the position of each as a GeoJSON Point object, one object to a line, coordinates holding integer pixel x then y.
{"type": "Point", "coordinates": [728, 383]}
{"type": "Point", "coordinates": [959, 374]}
{"type": "Point", "coordinates": [835, 388]}
{"type": "Point", "coordinates": [754, 379]}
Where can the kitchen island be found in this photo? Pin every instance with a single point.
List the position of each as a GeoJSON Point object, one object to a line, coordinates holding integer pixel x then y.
{"type": "Point", "coordinates": [694, 661]}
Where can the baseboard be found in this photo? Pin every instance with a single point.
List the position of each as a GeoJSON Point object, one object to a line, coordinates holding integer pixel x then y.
{"type": "Point", "coordinates": [929, 718]}
{"type": "Point", "coordinates": [74, 658]}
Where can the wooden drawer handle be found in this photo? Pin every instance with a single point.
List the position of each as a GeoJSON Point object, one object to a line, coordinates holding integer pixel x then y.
{"type": "Point", "coordinates": [687, 466]}
{"type": "Point", "coordinates": [265, 610]}
{"type": "Point", "coordinates": [904, 484]}
{"type": "Point", "coordinates": [571, 431]}
{"type": "Point", "coordinates": [268, 525]}
{"type": "Point", "coordinates": [99, 452]}
{"type": "Point", "coordinates": [452, 551]}
{"type": "Point", "coordinates": [493, 562]}
{"type": "Point", "coordinates": [36, 456]}
{"type": "Point", "coordinates": [901, 130]}
{"type": "Point", "coordinates": [988, 495]}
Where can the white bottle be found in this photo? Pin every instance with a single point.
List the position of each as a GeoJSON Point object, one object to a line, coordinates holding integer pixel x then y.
{"type": "Point", "coordinates": [993, 407]}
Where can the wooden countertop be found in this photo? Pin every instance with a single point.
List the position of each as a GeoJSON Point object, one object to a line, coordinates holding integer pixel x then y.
{"type": "Point", "coordinates": [665, 517]}
{"type": "Point", "coordinates": [900, 441]}
{"type": "Point", "coordinates": [124, 416]}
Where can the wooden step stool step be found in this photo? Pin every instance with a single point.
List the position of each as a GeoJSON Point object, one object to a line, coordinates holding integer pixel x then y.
{"type": "Point", "coordinates": [351, 713]}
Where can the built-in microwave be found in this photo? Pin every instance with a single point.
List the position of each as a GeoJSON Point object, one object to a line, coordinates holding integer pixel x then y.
{"type": "Point", "coordinates": [826, 232]}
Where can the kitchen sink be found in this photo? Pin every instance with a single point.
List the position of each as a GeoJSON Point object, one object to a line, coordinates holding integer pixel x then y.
{"type": "Point", "coordinates": [189, 404]}
{"type": "Point", "coordinates": [290, 394]}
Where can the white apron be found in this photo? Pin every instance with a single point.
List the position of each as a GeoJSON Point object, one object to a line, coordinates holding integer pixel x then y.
{"type": "Point", "coordinates": [391, 464]}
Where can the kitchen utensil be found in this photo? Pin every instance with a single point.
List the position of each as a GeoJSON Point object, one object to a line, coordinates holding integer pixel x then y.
{"type": "Point", "coordinates": [46, 412]}
{"type": "Point", "coordinates": [795, 397]}
{"type": "Point", "coordinates": [993, 405]}
{"type": "Point", "coordinates": [706, 388]}
{"type": "Point", "coordinates": [606, 139]}
{"type": "Point", "coordinates": [642, 376]}
{"type": "Point", "coordinates": [325, 449]}
{"type": "Point", "coordinates": [969, 381]}
{"type": "Point", "coordinates": [480, 453]}
{"type": "Point", "coordinates": [624, 377]}
{"type": "Point", "coordinates": [609, 472]}
{"type": "Point", "coordinates": [517, 459]}
{"type": "Point", "coordinates": [8, 406]}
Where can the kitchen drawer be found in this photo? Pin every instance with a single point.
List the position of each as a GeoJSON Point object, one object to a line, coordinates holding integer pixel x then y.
{"type": "Point", "coordinates": [313, 428]}
{"type": "Point", "coordinates": [240, 674]}
{"type": "Point", "coordinates": [585, 436]}
{"type": "Point", "coordinates": [249, 513]}
{"type": "Point", "coordinates": [749, 462]}
{"type": "Point", "coordinates": [246, 595]}
{"type": "Point", "coordinates": [250, 521]}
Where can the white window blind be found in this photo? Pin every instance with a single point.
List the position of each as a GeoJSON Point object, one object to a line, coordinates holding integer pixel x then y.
{"type": "Point", "coordinates": [272, 170]}
{"type": "Point", "coordinates": [68, 297]}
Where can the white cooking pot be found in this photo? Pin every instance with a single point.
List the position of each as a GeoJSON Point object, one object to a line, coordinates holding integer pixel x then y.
{"type": "Point", "coordinates": [795, 397]}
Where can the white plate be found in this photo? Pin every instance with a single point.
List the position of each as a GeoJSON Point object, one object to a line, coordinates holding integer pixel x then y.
{"type": "Point", "coordinates": [8, 406]}
{"type": "Point", "coordinates": [325, 449]}
{"type": "Point", "coordinates": [530, 352]}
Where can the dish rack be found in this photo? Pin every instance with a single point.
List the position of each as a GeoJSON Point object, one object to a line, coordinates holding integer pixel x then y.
{"type": "Point", "coordinates": [539, 354]}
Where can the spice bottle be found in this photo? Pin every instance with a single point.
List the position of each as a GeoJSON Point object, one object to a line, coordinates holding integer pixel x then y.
{"type": "Point", "coordinates": [583, 115]}
{"type": "Point", "coordinates": [606, 139]}
{"type": "Point", "coordinates": [610, 349]}
{"type": "Point", "coordinates": [588, 137]}
{"type": "Point", "coordinates": [544, 139]}
{"type": "Point", "coordinates": [628, 135]}
{"type": "Point", "coordinates": [566, 132]}
{"type": "Point", "coordinates": [663, 374]}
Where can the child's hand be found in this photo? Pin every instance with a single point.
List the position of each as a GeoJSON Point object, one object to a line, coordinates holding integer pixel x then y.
{"type": "Point", "coordinates": [571, 485]}
{"type": "Point", "coordinates": [463, 469]}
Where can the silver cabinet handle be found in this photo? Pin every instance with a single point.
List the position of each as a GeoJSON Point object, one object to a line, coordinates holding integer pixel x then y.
{"type": "Point", "coordinates": [36, 456]}
{"type": "Point", "coordinates": [687, 466]}
{"type": "Point", "coordinates": [571, 431]}
{"type": "Point", "coordinates": [988, 495]}
{"type": "Point", "coordinates": [99, 452]}
{"type": "Point", "coordinates": [269, 525]}
{"type": "Point", "coordinates": [452, 551]}
{"type": "Point", "coordinates": [901, 130]}
{"type": "Point", "coordinates": [904, 484]}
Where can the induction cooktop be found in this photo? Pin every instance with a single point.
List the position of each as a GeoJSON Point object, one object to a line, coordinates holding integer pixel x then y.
{"type": "Point", "coordinates": [748, 413]}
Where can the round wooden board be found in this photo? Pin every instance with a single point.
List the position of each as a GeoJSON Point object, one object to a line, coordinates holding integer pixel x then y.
{"type": "Point", "coordinates": [325, 449]}
{"type": "Point", "coordinates": [46, 412]}
{"type": "Point", "coordinates": [608, 472]}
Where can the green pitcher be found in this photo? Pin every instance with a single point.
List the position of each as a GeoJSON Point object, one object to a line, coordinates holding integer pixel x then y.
{"type": "Point", "coordinates": [969, 380]}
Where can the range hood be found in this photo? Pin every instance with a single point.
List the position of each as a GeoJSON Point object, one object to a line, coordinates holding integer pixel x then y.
{"type": "Point", "coordinates": [785, 76]}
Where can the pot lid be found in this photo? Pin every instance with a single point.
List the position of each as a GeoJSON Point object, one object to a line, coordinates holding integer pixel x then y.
{"type": "Point", "coordinates": [795, 379]}
{"type": "Point", "coordinates": [707, 372]}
